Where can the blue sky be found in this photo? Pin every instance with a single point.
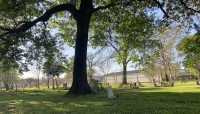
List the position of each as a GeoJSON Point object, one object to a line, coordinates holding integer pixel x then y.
{"type": "Point", "coordinates": [70, 52]}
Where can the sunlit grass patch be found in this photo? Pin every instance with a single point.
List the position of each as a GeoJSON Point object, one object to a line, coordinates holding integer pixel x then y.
{"type": "Point", "coordinates": [182, 98]}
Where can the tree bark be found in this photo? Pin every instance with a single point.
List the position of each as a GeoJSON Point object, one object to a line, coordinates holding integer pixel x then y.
{"type": "Point", "coordinates": [48, 83]}
{"type": "Point", "coordinates": [80, 84]}
{"type": "Point", "coordinates": [56, 82]}
{"type": "Point", "coordinates": [166, 78]}
{"type": "Point", "coordinates": [166, 75]}
{"type": "Point", "coordinates": [7, 87]}
{"type": "Point", "coordinates": [53, 87]}
{"type": "Point", "coordinates": [198, 79]}
{"type": "Point", "coordinates": [170, 72]}
{"type": "Point", "coordinates": [38, 82]}
{"type": "Point", "coordinates": [124, 80]}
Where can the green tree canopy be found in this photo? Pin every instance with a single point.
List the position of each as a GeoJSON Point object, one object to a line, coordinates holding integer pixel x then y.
{"type": "Point", "coordinates": [24, 17]}
{"type": "Point", "coordinates": [189, 48]}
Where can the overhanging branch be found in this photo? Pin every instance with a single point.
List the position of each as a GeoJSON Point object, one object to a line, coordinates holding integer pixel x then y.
{"type": "Point", "coordinates": [5, 29]}
{"type": "Point", "coordinates": [112, 4]}
{"type": "Point", "coordinates": [104, 7]}
{"type": "Point", "coordinates": [187, 7]}
{"type": "Point", "coordinates": [161, 7]}
{"type": "Point", "coordinates": [45, 17]}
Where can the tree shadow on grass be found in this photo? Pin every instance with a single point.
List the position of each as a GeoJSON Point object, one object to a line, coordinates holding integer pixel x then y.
{"type": "Point", "coordinates": [129, 102]}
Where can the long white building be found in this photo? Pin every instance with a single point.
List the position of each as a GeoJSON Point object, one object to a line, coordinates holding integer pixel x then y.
{"type": "Point", "coordinates": [132, 76]}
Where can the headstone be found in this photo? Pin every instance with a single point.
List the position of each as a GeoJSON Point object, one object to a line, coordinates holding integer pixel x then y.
{"type": "Point", "coordinates": [65, 85]}
{"type": "Point", "coordinates": [131, 86]}
{"type": "Point", "coordinates": [134, 84]}
{"type": "Point", "coordinates": [110, 92]}
{"type": "Point", "coordinates": [94, 85]}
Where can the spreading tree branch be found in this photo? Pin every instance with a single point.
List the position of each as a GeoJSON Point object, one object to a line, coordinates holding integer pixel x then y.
{"type": "Point", "coordinates": [5, 29]}
{"type": "Point", "coordinates": [112, 4]}
{"type": "Point", "coordinates": [161, 7]}
{"type": "Point", "coordinates": [45, 17]}
{"type": "Point", "coordinates": [187, 7]}
{"type": "Point", "coordinates": [104, 7]}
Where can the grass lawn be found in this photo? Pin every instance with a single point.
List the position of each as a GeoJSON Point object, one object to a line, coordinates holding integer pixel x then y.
{"type": "Point", "coordinates": [183, 98]}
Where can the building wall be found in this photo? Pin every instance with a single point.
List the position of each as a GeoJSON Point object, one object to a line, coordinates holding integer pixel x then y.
{"type": "Point", "coordinates": [131, 77]}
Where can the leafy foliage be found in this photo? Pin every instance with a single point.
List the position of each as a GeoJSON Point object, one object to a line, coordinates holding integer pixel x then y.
{"type": "Point", "coordinates": [9, 77]}
{"type": "Point", "coordinates": [189, 48]}
{"type": "Point", "coordinates": [53, 67]}
{"type": "Point", "coordinates": [16, 24]}
{"type": "Point", "coordinates": [69, 68]}
{"type": "Point", "coordinates": [162, 61]}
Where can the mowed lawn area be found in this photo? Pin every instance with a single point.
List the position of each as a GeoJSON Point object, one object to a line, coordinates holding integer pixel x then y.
{"type": "Point", "coordinates": [183, 98]}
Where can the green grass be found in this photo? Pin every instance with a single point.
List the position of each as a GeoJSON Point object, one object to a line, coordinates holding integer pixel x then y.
{"type": "Point", "coordinates": [183, 98]}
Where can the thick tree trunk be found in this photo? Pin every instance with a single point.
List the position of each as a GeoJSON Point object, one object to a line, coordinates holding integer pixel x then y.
{"type": "Point", "coordinates": [7, 87]}
{"type": "Point", "coordinates": [80, 84]}
{"type": "Point", "coordinates": [166, 78]}
{"type": "Point", "coordinates": [124, 79]}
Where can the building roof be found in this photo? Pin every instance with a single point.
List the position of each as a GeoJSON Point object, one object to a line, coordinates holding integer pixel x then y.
{"type": "Point", "coordinates": [120, 73]}
{"type": "Point", "coordinates": [182, 74]}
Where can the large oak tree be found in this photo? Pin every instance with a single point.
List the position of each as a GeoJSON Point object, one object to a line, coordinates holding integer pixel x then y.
{"type": "Point", "coordinates": [19, 16]}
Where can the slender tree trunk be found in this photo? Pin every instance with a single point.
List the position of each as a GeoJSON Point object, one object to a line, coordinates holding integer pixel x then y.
{"type": "Point", "coordinates": [39, 78]}
{"type": "Point", "coordinates": [1, 86]}
{"type": "Point", "coordinates": [53, 87]}
{"type": "Point", "coordinates": [56, 83]}
{"type": "Point", "coordinates": [80, 84]}
{"type": "Point", "coordinates": [38, 82]}
{"type": "Point", "coordinates": [166, 75]}
{"type": "Point", "coordinates": [124, 80]}
{"type": "Point", "coordinates": [48, 83]}
{"type": "Point", "coordinates": [170, 72]}
{"type": "Point", "coordinates": [153, 82]}
{"type": "Point", "coordinates": [162, 77]}
{"type": "Point", "coordinates": [16, 87]}
{"type": "Point", "coordinates": [198, 74]}
{"type": "Point", "coordinates": [175, 72]}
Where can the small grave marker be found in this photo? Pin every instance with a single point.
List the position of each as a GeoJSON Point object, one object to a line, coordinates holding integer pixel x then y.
{"type": "Point", "coordinates": [110, 93]}
{"type": "Point", "coordinates": [65, 85]}
{"type": "Point", "coordinates": [94, 85]}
